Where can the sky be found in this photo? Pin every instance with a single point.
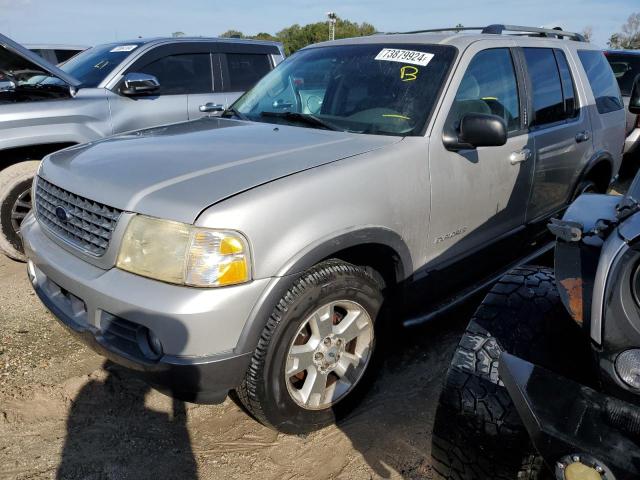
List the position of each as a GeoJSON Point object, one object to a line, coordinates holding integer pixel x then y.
{"type": "Point", "coordinates": [91, 22]}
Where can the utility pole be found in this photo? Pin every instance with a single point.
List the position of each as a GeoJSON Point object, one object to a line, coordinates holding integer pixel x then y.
{"type": "Point", "coordinates": [333, 17]}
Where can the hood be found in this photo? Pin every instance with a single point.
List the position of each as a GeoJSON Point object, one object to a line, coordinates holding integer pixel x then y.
{"type": "Point", "coordinates": [177, 171]}
{"type": "Point", "coordinates": [15, 57]}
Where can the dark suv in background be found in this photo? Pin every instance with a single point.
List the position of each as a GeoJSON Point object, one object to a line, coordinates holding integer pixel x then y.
{"type": "Point", "coordinates": [626, 67]}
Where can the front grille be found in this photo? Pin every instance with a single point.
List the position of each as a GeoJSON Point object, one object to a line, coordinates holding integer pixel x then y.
{"type": "Point", "coordinates": [88, 224]}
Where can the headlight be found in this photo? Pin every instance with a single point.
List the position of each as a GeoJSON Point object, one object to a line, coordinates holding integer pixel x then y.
{"type": "Point", "coordinates": [178, 253]}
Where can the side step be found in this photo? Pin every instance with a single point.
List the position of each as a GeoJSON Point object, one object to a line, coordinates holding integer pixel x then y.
{"type": "Point", "coordinates": [463, 295]}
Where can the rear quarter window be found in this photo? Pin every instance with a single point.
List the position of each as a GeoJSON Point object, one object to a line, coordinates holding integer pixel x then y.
{"type": "Point", "coordinates": [603, 82]}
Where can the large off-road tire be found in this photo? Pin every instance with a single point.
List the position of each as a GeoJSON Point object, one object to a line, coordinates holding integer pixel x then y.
{"type": "Point", "coordinates": [298, 381]}
{"type": "Point", "coordinates": [478, 433]}
{"type": "Point", "coordinates": [15, 203]}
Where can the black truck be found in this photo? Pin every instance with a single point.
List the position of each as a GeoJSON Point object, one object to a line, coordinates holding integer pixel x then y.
{"type": "Point", "coordinates": [545, 382]}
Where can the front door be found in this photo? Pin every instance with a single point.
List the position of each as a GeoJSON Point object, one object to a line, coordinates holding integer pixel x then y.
{"type": "Point", "coordinates": [180, 75]}
{"type": "Point", "coordinates": [479, 195]}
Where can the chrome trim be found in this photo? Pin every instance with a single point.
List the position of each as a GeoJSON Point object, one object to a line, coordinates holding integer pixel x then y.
{"type": "Point", "coordinates": [612, 250]}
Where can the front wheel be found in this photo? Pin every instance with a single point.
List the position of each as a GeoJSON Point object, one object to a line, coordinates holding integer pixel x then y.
{"type": "Point", "coordinates": [15, 204]}
{"type": "Point", "coordinates": [313, 360]}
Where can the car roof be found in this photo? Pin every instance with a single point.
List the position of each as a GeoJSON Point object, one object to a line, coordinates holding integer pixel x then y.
{"type": "Point", "coordinates": [54, 46]}
{"type": "Point", "coordinates": [164, 40]}
{"type": "Point", "coordinates": [460, 40]}
{"type": "Point", "coordinates": [462, 37]}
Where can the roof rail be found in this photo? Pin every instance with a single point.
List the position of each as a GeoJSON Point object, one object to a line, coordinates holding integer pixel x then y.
{"type": "Point", "coordinates": [498, 29]}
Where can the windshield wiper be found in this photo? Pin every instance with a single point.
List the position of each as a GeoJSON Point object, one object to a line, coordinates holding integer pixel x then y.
{"type": "Point", "coordinates": [304, 118]}
{"type": "Point", "coordinates": [234, 111]}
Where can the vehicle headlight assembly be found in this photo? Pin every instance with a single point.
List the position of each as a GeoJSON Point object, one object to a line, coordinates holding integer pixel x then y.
{"type": "Point", "coordinates": [183, 254]}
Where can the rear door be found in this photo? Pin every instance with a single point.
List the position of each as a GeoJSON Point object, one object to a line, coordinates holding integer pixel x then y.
{"type": "Point", "coordinates": [201, 101]}
{"type": "Point", "coordinates": [559, 128]}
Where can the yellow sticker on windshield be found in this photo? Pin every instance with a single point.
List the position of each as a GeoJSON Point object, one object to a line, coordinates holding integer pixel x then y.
{"type": "Point", "coordinates": [408, 73]}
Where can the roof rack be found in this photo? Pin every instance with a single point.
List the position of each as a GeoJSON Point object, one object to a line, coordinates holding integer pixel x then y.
{"type": "Point", "coordinates": [498, 29]}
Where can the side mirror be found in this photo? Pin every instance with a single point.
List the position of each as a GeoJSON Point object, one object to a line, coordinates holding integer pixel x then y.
{"type": "Point", "coordinates": [139, 84]}
{"type": "Point", "coordinates": [7, 86]}
{"type": "Point", "coordinates": [477, 130]}
{"type": "Point", "coordinates": [634, 101]}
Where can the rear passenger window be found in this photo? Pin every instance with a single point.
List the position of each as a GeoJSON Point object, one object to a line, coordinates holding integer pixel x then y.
{"type": "Point", "coordinates": [182, 74]}
{"type": "Point", "coordinates": [548, 103]}
{"type": "Point", "coordinates": [568, 91]}
{"type": "Point", "coordinates": [245, 70]}
{"type": "Point", "coordinates": [602, 81]}
{"type": "Point", "coordinates": [489, 86]}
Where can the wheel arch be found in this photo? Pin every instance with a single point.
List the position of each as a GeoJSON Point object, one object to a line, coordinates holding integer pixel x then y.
{"type": "Point", "coordinates": [377, 247]}
{"type": "Point", "coordinates": [600, 169]}
{"type": "Point", "coordinates": [13, 155]}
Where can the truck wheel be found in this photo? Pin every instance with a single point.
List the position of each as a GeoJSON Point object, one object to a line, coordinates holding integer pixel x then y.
{"type": "Point", "coordinates": [15, 203]}
{"type": "Point", "coordinates": [477, 432]}
{"type": "Point", "coordinates": [313, 360]}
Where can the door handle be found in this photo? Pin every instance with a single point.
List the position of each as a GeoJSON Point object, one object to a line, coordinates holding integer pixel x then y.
{"type": "Point", "coordinates": [520, 156]}
{"type": "Point", "coordinates": [211, 107]}
{"type": "Point", "coordinates": [582, 136]}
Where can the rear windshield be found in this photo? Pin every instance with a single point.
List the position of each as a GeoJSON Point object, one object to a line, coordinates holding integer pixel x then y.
{"type": "Point", "coordinates": [625, 68]}
{"type": "Point", "coordinates": [374, 88]}
{"type": "Point", "coordinates": [92, 66]}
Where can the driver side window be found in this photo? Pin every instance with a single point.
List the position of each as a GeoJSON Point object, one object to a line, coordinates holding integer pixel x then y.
{"type": "Point", "coordinates": [489, 86]}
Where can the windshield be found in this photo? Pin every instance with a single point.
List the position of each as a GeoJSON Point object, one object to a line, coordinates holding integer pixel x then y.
{"type": "Point", "coordinates": [625, 68]}
{"type": "Point", "coordinates": [378, 89]}
{"type": "Point", "coordinates": [91, 66]}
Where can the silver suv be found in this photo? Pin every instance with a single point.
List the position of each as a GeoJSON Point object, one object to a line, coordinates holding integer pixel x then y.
{"type": "Point", "coordinates": [264, 250]}
{"type": "Point", "coordinates": [105, 90]}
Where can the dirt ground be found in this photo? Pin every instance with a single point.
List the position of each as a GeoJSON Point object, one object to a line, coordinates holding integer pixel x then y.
{"type": "Point", "coordinates": [66, 414]}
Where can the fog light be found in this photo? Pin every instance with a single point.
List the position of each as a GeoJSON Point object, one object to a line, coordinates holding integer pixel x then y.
{"type": "Point", "coordinates": [149, 343]}
{"type": "Point", "coordinates": [628, 367]}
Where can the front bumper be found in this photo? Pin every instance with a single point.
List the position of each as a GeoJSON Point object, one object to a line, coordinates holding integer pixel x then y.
{"type": "Point", "coordinates": [184, 340]}
{"type": "Point", "coordinates": [632, 141]}
{"type": "Point", "coordinates": [569, 422]}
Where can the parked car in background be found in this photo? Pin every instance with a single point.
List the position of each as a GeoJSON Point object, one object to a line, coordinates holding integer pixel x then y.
{"type": "Point", "coordinates": [56, 54]}
{"type": "Point", "coordinates": [256, 251]}
{"type": "Point", "coordinates": [105, 90]}
{"type": "Point", "coordinates": [545, 382]}
{"type": "Point", "coordinates": [626, 67]}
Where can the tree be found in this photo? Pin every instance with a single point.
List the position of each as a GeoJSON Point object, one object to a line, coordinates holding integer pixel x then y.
{"type": "Point", "coordinates": [459, 27]}
{"type": "Point", "coordinates": [232, 34]}
{"type": "Point", "coordinates": [296, 37]}
{"type": "Point", "coordinates": [629, 37]}
{"type": "Point", "coordinates": [587, 33]}
{"type": "Point", "coordinates": [177, 34]}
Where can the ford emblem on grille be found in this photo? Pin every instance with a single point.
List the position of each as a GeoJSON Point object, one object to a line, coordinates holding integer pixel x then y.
{"type": "Point", "coordinates": [62, 214]}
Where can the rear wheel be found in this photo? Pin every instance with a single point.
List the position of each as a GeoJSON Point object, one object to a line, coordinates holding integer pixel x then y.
{"type": "Point", "coordinates": [15, 202]}
{"type": "Point", "coordinates": [313, 361]}
{"type": "Point", "coordinates": [478, 433]}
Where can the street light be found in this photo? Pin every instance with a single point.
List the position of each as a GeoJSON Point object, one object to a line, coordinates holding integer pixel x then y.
{"type": "Point", "coordinates": [333, 17]}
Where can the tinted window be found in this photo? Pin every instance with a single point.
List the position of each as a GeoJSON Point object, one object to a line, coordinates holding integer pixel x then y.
{"type": "Point", "coordinates": [603, 83]}
{"type": "Point", "coordinates": [548, 104]}
{"type": "Point", "coordinates": [245, 70]}
{"type": "Point", "coordinates": [181, 74]}
{"type": "Point", "coordinates": [488, 86]}
{"type": "Point", "coordinates": [568, 91]}
{"type": "Point", "coordinates": [625, 68]}
{"type": "Point", "coordinates": [64, 55]}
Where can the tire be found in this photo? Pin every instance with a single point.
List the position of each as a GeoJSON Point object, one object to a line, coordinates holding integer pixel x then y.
{"type": "Point", "coordinates": [15, 194]}
{"type": "Point", "coordinates": [477, 432]}
{"type": "Point", "coordinates": [275, 398]}
{"type": "Point", "coordinates": [586, 186]}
